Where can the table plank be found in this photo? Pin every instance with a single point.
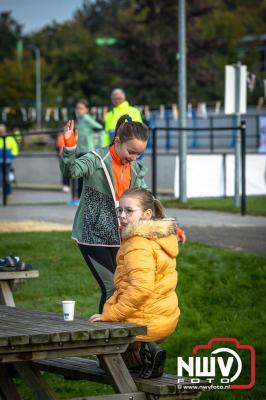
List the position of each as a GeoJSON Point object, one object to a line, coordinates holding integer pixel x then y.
{"type": "Point", "coordinates": [41, 352]}
{"type": "Point", "coordinates": [5, 276]}
{"type": "Point", "coordinates": [43, 327]}
{"type": "Point", "coordinates": [133, 328]}
{"type": "Point", "coordinates": [43, 333]}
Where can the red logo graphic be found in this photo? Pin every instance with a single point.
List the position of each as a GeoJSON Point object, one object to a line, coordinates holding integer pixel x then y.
{"type": "Point", "coordinates": [239, 346]}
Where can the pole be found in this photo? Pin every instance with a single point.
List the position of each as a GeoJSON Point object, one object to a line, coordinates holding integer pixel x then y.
{"type": "Point", "coordinates": [38, 85]}
{"type": "Point", "coordinates": [237, 167]}
{"type": "Point", "coordinates": [237, 142]}
{"type": "Point", "coordinates": [182, 101]}
{"type": "Point", "coordinates": [154, 164]}
{"type": "Point", "coordinates": [211, 135]}
{"type": "Point", "coordinates": [168, 134]}
{"type": "Point", "coordinates": [4, 172]}
{"type": "Point", "coordinates": [243, 165]}
{"type": "Point", "coordinates": [224, 175]}
{"type": "Point", "coordinates": [257, 132]}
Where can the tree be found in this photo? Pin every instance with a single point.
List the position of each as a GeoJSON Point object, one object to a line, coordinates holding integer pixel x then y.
{"type": "Point", "coordinates": [77, 64]}
{"type": "Point", "coordinates": [145, 58]}
{"type": "Point", "coordinates": [10, 33]}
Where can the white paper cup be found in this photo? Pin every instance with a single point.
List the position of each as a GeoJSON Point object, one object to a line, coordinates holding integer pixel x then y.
{"type": "Point", "coordinates": [68, 309]}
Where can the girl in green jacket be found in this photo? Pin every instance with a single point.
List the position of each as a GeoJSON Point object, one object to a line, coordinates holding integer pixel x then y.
{"type": "Point", "coordinates": [107, 173]}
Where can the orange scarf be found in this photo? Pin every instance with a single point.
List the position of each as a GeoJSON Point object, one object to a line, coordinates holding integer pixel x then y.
{"type": "Point", "coordinates": [122, 173]}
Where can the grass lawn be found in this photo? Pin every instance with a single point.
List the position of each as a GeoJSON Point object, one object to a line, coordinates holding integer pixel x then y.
{"type": "Point", "coordinates": [221, 294]}
{"type": "Point", "coordinates": [256, 205]}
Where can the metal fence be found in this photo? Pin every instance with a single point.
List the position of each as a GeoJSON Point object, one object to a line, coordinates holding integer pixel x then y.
{"type": "Point", "coordinates": [243, 139]}
{"type": "Point", "coordinates": [167, 119]}
{"type": "Point", "coordinates": [205, 133]}
{"type": "Point", "coordinates": [210, 136]}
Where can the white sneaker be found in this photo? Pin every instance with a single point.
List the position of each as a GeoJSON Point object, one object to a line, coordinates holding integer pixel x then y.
{"type": "Point", "coordinates": [66, 189]}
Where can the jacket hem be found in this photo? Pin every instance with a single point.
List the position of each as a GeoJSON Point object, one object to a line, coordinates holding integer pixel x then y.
{"type": "Point", "coordinates": [95, 244]}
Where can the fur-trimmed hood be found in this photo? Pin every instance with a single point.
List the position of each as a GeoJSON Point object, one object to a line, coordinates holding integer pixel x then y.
{"type": "Point", "coordinates": [150, 229]}
{"type": "Point", "coordinates": [163, 231]}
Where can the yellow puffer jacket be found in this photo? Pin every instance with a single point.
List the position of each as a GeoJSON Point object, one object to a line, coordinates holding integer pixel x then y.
{"type": "Point", "coordinates": [146, 278]}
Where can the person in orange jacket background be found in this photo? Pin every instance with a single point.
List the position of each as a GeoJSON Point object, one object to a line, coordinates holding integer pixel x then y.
{"type": "Point", "coordinates": [60, 143]}
{"type": "Point", "coordinates": [145, 279]}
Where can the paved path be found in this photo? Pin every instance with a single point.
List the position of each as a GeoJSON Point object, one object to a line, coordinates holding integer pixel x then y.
{"type": "Point", "coordinates": [215, 228]}
{"type": "Point", "coordinates": [224, 230]}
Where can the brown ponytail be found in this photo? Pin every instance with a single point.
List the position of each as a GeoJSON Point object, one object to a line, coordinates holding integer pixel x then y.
{"type": "Point", "coordinates": [147, 200]}
{"type": "Point", "coordinates": [126, 129]}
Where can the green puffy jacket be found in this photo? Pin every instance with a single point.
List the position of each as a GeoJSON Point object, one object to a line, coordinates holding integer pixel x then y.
{"type": "Point", "coordinates": [85, 126]}
{"type": "Point", "coordinates": [96, 221]}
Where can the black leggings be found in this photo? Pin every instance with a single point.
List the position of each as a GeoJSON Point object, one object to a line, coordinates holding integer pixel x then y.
{"type": "Point", "coordinates": [102, 263]}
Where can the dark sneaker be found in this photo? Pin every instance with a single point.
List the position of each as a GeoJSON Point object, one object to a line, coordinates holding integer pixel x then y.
{"type": "Point", "coordinates": [153, 358]}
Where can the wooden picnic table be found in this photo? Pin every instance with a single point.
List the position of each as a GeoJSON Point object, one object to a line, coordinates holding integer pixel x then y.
{"type": "Point", "coordinates": [7, 280]}
{"type": "Point", "coordinates": [27, 335]}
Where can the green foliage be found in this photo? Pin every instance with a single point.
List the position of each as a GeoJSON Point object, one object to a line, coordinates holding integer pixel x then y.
{"type": "Point", "coordinates": [20, 85]}
{"type": "Point", "coordinates": [78, 66]}
{"type": "Point", "coordinates": [10, 33]}
{"type": "Point", "coordinates": [17, 81]}
{"type": "Point", "coordinates": [221, 294]}
{"type": "Point", "coordinates": [143, 58]}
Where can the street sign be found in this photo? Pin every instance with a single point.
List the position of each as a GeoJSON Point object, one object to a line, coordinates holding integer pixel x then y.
{"type": "Point", "coordinates": [19, 49]}
{"type": "Point", "coordinates": [105, 41]}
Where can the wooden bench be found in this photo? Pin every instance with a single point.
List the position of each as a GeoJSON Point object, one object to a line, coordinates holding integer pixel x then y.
{"type": "Point", "coordinates": [164, 388]}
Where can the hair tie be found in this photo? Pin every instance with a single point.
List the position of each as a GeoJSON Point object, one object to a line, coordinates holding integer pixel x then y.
{"type": "Point", "coordinates": [129, 119]}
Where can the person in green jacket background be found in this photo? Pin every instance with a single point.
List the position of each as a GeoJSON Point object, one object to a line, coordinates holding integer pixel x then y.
{"type": "Point", "coordinates": [120, 107]}
{"type": "Point", "coordinates": [85, 126]}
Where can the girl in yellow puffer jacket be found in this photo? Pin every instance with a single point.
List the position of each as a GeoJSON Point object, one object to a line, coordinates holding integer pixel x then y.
{"type": "Point", "coordinates": [145, 279]}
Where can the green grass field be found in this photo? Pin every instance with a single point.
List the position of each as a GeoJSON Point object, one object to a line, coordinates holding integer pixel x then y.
{"type": "Point", "coordinates": [256, 205]}
{"type": "Point", "coordinates": [221, 294]}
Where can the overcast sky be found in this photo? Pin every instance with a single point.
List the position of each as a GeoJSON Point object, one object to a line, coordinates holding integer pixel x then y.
{"type": "Point", "coordinates": [35, 14]}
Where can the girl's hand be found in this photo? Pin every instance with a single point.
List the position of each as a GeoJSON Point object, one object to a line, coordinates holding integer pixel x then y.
{"type": "Point", "coordinates": [70, 134]}
{"type": "Point", "coordinates": [181, 236]}
{"type": "Point", "coordinates": [95, 318]}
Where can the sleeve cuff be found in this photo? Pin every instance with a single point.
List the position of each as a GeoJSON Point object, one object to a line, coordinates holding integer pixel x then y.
{"type": "Point", "coordinates": [103, 317]}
